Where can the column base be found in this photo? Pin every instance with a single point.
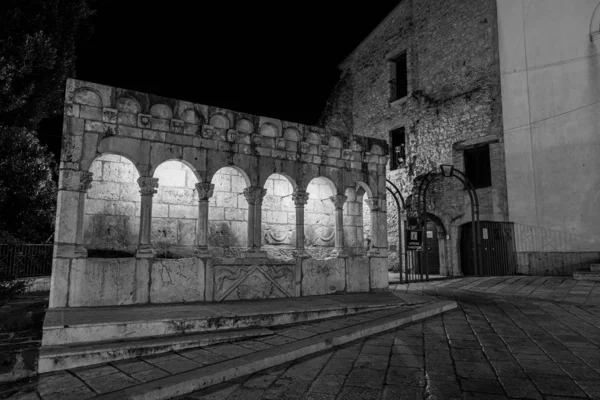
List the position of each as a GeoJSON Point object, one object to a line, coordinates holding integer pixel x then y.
{"type": "Point", "coordinates": [301, 253]}
{"type": "Point", "coordinates": [145, 252]}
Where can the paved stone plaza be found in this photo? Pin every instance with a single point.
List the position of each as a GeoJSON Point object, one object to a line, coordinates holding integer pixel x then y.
{"type": "Point", "coordinates": [496, 345]}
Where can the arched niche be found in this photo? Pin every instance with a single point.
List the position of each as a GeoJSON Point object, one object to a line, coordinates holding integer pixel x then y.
{"type": "Point", "coordinates": [88, 97]}
{"type": "Point", "coordinates": [174, 210]}
{"type": "Point", "coordinates": [112, 207]}
{"type": "Point", "coordinates": [128, 105]}
{"type": "Point", "coordinates": [319, 219]}
{"type": "Point", "coordinates": [219, 121]}
{"type": "Point", "coordinates": [161, 111]}
{"type": "Point", "coordinates": [291, 134]}
{"type": "Point", "coordinates": [192, 116]}
{"type": "Point", "coordinates": [244, 125]}
{"type": "Point", "coordinates": [228, 210]}
{"type": "Point", "coordinates": [335, 142]}
{"type": "Point", "coordinates": [278, 212]}
{"type": "Point", "coordinates": [269, 130]}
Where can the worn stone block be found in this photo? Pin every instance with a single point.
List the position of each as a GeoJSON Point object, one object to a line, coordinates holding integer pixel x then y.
{"type": "Point", "coordinates": [186, 232]}
{"type": "Point", "coordinates": [379, 273]}
{"type": "Point", "coordinates": [357, 274]}
{"type": "Point", "coordinates": [321, 277]}
{"type": "Point", "coordinates": [59, 282]}
{"type": "Point", "coordinates": [104, 191]}
{"type": "Point", "coordinates": [235, 214]}
{"type": "Point", "coordinates": [175, 281]}
{"type": "Point", "coordinates": [179, 211]}
{"type": "Point", "coordinates": [89, 112]}
{"type": "Point", "coordinates": [224, 199]}
{"type": "Point", "coordinates": [102, 282]}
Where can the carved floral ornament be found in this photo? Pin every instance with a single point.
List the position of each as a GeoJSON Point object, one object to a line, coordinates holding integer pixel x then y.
{"type": "Point", "coordinates": [205, 190]}
{"type": "Point", "coordinates": [147, 185]}
{"type": "Point", "coordinates": [254, 194]}
{"type": "Point", "coordinates": [300, 197]}
{"type": "Point", "coordinates": [338, 201]}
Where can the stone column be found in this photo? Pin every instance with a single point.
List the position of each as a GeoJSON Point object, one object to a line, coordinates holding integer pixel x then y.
{"type": "Point", "coordinates": [254, 195]}
{"type": "Point", "coordinates": [85, 183]}
{"type": "Point", "coordinates": [147, 190]}
{"type": "Point", "coordinates": [205, 192]}
{"type": "Point", "coordinates": [378, 226]}
{"type": "Point", "coordinates": [300, 198]}
{"type": "Point", "coordinates": [70, 207]}
{"type": "Point", "coordinates": [338, 204]}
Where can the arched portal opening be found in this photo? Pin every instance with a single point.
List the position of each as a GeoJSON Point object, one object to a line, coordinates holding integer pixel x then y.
{"type": "Point", "coordinates": [319, 225]}
{"type": "Point", "coordinates": [112, 208]}
{"type": "Point", "coordinates": [174, 211]}
{"type": "Point", "coordinates": [278, 217]}
{"type": "Point", "coordinates": [228, 213]}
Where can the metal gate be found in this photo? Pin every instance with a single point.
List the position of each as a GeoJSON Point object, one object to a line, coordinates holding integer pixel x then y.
{"type": "Point", "coordinates": [498, 253]}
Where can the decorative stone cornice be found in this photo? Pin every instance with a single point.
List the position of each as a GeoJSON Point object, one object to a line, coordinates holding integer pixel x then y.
{"type": "Point", "coordinates": [205, 190]}
{"type": "Point", "coordinates": [147, 185]}
{"type": "Point", "coordinates": [338, 201]}
{"type": "Point", "coordinates": [254, 194]}
{"type": "Point", "coordinates": [300, 197]}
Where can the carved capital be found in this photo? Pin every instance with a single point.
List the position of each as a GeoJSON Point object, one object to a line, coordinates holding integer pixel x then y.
{"type": "Point", "coordinates": [338, 201]}
{"type": "Point", "coordinates": [147, 185]}
{"type": "Point", "coordinates": [300, 197]}
{"type": "Point", "coordinates": [205, 190]}
{"type": "Point", "coordinates": [85, 181]}
{"type": "Point", "coordinates": [254, 194]}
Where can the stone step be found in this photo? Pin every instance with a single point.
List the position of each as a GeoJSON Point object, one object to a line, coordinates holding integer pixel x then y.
{"type": "Point", "coordinates": [193, 380]}
{"type": "Point", "coordinates": [595, 267]}
{"type": "Point", "coordinates": [57, 358]}
{"type": "Point", "coordinates": [586, 275]}
{"type": "Point", "coordinates": [83, 336]}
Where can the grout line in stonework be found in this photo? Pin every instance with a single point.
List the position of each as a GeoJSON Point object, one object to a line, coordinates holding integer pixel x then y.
{"type": "Point", "coordinates": [543, 350]}
{"type": "Point", "coordinates": [584, 311]}
{"type": "Point", "coordinates": [506, 344]}
{"type": "Point", "coordinates": [128, 374]}
{"type": "Point", "coordinates": [450, 347]}
{"type": "Point", "coordinates": [82, 380]}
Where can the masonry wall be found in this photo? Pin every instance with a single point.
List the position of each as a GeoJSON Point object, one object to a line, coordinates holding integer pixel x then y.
{"type": "Point", "coordinates": [453, 102]}
{"type": "Point", "coordinates": [279, 213]}
{"type": "Point", "coordinates": [112, 206]}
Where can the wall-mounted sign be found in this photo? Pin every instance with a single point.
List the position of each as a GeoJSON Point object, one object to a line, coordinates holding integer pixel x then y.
{"type": "Point", "coordinates": [414, 240]}
{"type": "Point", "coordinates": [485, 233]}
{"type": "Point", "coordinates": [429, 234]}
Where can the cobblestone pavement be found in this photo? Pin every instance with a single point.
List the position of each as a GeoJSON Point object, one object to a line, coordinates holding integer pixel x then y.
{"type": "Point", "coordinates": [486, 349]}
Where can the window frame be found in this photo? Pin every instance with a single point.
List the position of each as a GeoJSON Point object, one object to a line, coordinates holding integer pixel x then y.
{"type": "Point", "coordinates": [394, 133]}
{"type": "Point", "coordinates": [394, 84]}
{"type": "Point", "coordinates": [478, 157]}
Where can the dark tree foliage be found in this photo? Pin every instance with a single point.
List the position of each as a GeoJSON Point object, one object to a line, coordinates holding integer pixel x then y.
{"type": "Point", "coordinates": [37, 55]}
{"type": "Point", "coordinates": [27, 187]}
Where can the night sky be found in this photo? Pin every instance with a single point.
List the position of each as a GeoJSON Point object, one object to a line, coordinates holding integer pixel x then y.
{"type": "Point", "coordinates": [276, 59]}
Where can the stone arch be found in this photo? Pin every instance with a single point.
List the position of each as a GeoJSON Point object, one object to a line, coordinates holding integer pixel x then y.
{"type": "Point", "coordinates": [313, 138]}
{"type": "Point", "coordinates": [174, 209]}
{"type": "Point", "coordinates": [128, 105]}
{"type": "Point", "coordinates": [244, 125]}
{"type": "Point", "coordinates": [279, 212]}
{"type": "Point", "coordinates": [87, 97]}
{"type": "Point", "coordinates": [192, 116]}
{"type": "Point", "coordinates": [362, 186]}
{"type": "Point", "coordinates": [162, 111]}
{"type": "Point", "coordinates": [335, 142]}
{"type": "Point", "coordinates": [87, 166]}
{"type": "Point", "coordinates": [111, 206]}
{"type": "Point", "coordinates": [219, 120]}
{"type": "Point", "coordinates": [319, 226]}
{"type": "Point", "coordinates": [228, 210]}
{"type": "Point", "coordinates": [269, 130]}
{"type": "Point", "coordinates": [291, 134]}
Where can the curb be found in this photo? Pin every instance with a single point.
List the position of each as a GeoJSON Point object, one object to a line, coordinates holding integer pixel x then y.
{"type": "Point", "coordinates": [191, 381]}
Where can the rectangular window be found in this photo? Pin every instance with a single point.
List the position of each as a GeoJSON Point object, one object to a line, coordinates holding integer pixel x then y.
{"type": "Point", "coordinates": [477, 166]}
{"type": "Point", "coordinates": [397, 148]}
{"type": "Point", "coordinates": [399, 77]}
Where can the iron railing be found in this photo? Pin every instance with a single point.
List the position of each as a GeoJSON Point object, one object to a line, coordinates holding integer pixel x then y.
{"type": "Point", "coordinates": [25, 260]}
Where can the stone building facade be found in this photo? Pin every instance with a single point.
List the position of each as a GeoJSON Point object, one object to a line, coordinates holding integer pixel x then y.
{"type": "Point", "coordinates": [165, 201]}
{"type": "Point", "coordinates": [451, 103]}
